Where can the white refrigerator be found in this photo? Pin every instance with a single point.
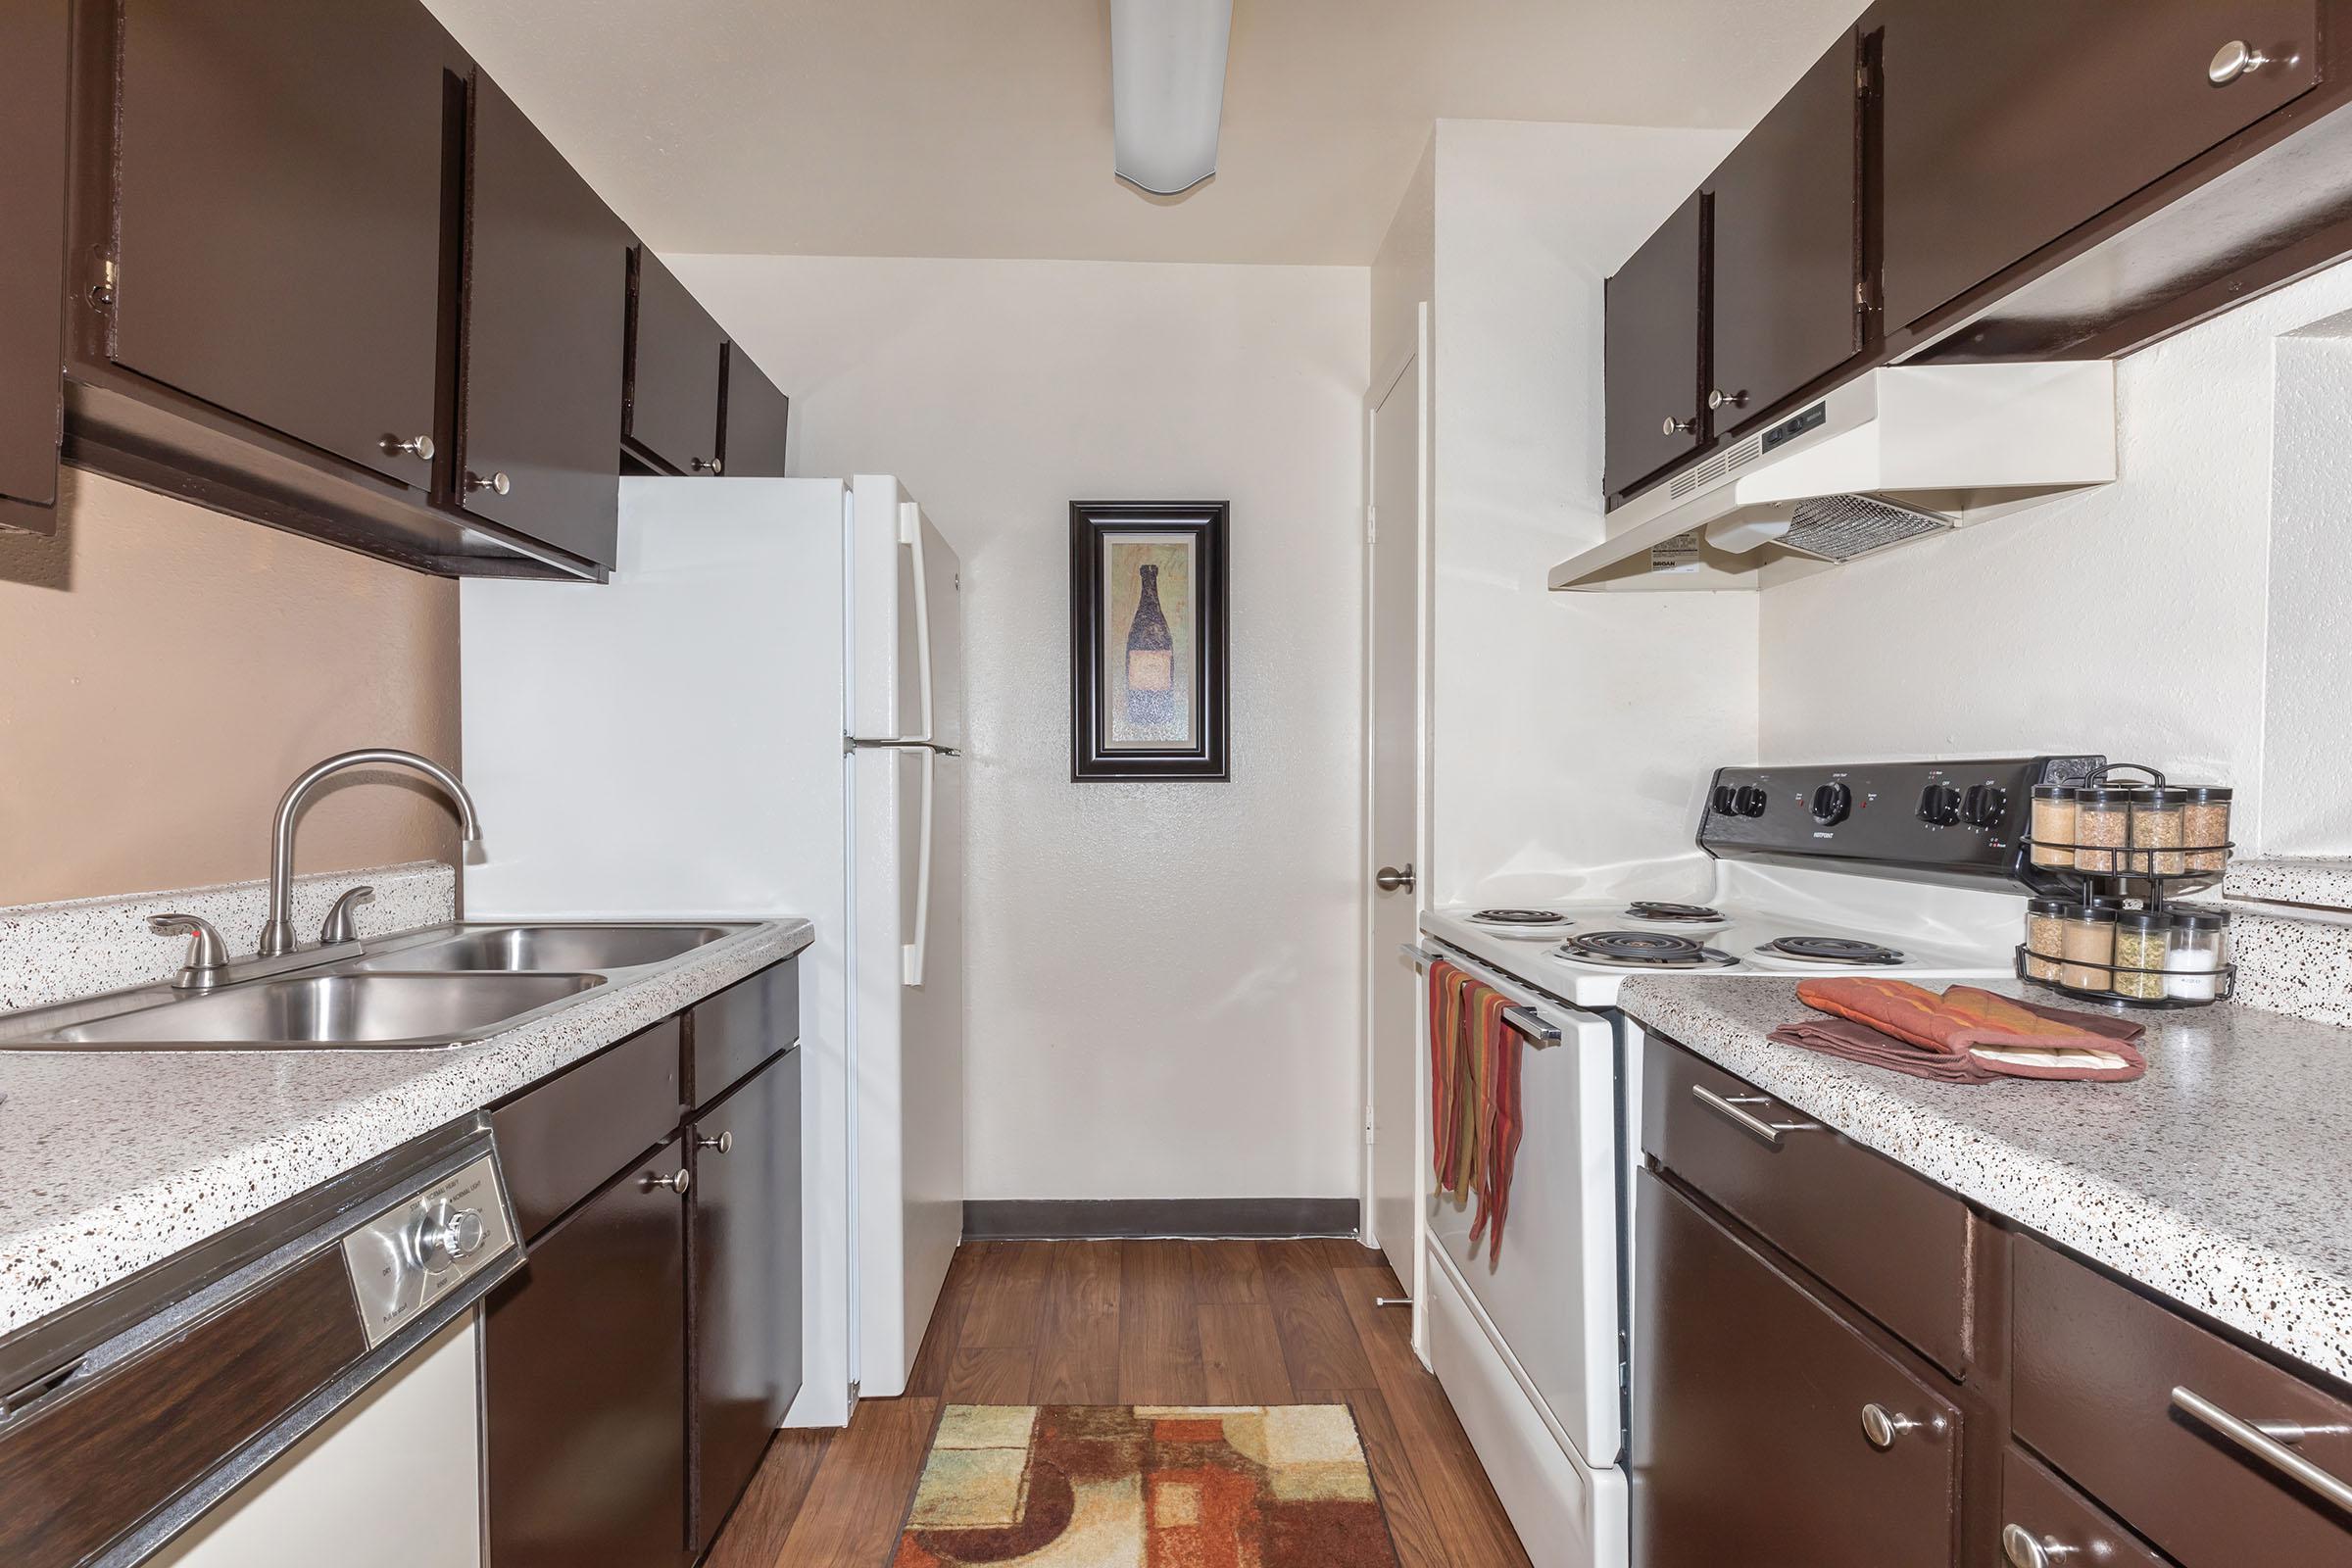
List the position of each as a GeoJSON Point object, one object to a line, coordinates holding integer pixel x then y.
{"type": "Point", "coordinates": [762, 713]}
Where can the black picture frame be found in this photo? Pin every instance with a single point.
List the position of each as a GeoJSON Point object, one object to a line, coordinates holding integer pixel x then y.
{"type": "Point", "coordinates": [1095, 756]}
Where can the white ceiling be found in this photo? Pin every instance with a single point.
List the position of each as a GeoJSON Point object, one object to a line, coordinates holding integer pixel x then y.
{"type": "Point", "coordinates": [982, 127]}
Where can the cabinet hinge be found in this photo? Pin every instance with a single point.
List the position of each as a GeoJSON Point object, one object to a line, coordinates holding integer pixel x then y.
{"type": "Point", "coordinates": [110, 277]}
{"type": "Point", "coordinates": [1862, 295]}
{"type": "Point", "coordinates": [1862, 78]}
{"type": "Point", "coordinates": [1371, 522]}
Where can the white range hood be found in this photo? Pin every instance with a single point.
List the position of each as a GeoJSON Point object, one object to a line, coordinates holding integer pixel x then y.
{"type": "Point", "coordinates": [1901, 453]}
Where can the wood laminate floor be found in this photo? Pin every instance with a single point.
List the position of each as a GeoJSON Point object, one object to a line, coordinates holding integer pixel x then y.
{"type": "Point", "coordinates": [1139, 1323]}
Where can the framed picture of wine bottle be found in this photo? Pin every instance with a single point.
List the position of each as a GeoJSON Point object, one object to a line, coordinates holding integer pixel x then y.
{"type": "Point", "coordinates": [1148, 640]}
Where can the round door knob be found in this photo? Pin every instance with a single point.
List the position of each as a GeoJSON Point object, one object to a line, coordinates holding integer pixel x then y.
{"type": "Point", "coordinates": [415, 446]}
{"type": "Point", "coordinates": [1749, 800]}
{"type": "Point", "coordinates": [2232, 60]}
{"type": "Point", "coordinates": [1390, 879]}
{"type": "Point", "coordinates": [1831, 803]}
{"type": "Point", "coordinates": [2022, 1548]}
{"type": "Point", "coordinates": [497, 484]}
{"type": "Point", "coordinates": [1880, 1428]}
{"type": "Point", "coordinates": [707, 465]}
{"type": "Point", "coordinates": [1720, 399]}
{"type": "Point", "coordinates": [1675, 426]}
{"type": "Point", "coordinates": [723, 1143]}
{"type": "Point", "coordinates": [1939, 805]}
{"type": "Point", "coordinates": [678, 1182]}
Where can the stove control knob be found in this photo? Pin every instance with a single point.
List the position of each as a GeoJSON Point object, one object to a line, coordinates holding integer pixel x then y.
{"type": "Point", "coordinates": [1939, 805]}
{"type": "Point", "coordinates": [1831, 803]}
{"type": "Point", "coordinates": [1984, 805]}
{"type": "Point", "coordinates": [1749, 800]}
{"type": "Point", "coordinates": [1726, 801]}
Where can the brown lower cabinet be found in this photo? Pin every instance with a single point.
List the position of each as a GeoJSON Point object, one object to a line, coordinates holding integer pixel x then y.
{"type": "Point", "coordinates": [584, 1365]}
{"type": "Point", "coordinates": [1751, 1397]}
{"type": "Point", "coordinates": [1790, 1411]}
{"type": "Point", "coordinates": [637, 1364]}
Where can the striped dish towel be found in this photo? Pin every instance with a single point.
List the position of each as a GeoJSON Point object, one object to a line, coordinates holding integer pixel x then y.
{"type": "Point", "coordinates": [1473, 1097]}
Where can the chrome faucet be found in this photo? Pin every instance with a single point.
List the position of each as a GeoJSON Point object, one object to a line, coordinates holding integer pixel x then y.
{"type": "Point", "coordinates": [278, 936]}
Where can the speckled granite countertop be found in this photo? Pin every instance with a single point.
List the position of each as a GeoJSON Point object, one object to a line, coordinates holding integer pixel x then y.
{"type": "Point", "coordinates": [2222, 1178]}
{"type": "Point", "coordinates": [119, 1158]}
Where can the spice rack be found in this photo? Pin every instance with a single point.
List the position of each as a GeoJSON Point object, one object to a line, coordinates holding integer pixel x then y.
{"type": "Point", "coordinates": [2124, 850]}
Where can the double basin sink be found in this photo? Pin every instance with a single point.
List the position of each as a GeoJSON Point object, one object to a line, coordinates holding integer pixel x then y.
{"type": "Point", "coordinates": [443, 986]}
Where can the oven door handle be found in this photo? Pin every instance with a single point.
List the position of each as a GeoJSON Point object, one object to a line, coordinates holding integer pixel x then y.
{"type": "Point", "coordinates": [1530, 1023]}
{"type": "Point", "coordinates": [1421, 957]}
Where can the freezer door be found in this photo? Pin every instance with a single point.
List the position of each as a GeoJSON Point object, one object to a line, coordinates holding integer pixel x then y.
{"type": "Point", "coordinates": [907, 631]}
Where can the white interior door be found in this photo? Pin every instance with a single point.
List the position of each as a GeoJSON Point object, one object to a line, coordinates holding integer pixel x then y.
{"type": "Point", "coordinates": [1395, 528]}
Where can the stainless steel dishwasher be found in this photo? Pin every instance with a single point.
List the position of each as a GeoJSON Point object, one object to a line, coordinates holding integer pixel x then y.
{"type": "Point", "coordinates": [303, 1388]}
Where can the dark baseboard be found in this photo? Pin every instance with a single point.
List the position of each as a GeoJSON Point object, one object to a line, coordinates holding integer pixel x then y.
{"type": "Point", "coordinates": [1066, 1218]}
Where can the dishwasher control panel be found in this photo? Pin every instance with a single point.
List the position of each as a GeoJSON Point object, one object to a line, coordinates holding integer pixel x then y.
{"type": "Point", "coordinates": [416, 1251]}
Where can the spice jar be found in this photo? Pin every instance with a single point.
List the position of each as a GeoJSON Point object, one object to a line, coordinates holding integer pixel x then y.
{"type": "Point", "coordinates": [2205, 820]}
{"type": "Point", "coordinates": [2158, 821]}
{"type": "Point", "coordinates": [2102, 818]}
{"type": "Point", "coordinates": [2053, 824]}
{"type": "Point", "coordinates": [2195, 957]}
{"type": "Point", "coordinates": [2045, 937]}
{"type": "Point", "coordinates": [2142, 939]}
{"type": "Point", "coordinates": [2086, 940]}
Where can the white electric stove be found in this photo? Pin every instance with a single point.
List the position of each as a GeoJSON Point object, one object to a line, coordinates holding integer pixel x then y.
{"type": "Point", "coordinates": [1910, 870]}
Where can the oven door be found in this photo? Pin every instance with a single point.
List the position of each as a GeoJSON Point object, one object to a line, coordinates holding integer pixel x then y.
{"type": "Point", "coordinates": [1548, 1298]}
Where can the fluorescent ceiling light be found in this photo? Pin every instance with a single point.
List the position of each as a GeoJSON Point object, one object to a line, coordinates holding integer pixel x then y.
{"type": "Point", "coordinates": [1167, 91]}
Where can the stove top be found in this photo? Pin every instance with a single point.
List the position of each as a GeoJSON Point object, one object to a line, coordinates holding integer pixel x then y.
{"type": "Point", "coordinates": [1643, 950]}
{"type": "Point", "coordinates": [1651, 910]}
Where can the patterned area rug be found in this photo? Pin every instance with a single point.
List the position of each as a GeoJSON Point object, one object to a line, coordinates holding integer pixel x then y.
{"type": "Point", "coordinates": [1115, 1486]}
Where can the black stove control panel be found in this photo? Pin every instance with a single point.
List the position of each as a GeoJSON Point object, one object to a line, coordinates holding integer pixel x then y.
{"type": "Point", "coordinates": [1962, 821]}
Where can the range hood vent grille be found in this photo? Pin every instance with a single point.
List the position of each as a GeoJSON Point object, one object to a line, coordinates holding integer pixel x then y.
{"type": "Point", "coordinates": [1847, 528]}
{"type": "Point", "coordinates": [1705, 474]}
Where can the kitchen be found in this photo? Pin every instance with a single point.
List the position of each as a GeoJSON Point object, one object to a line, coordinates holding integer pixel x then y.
{"type": "Point", "coordinates": [713, 1139]}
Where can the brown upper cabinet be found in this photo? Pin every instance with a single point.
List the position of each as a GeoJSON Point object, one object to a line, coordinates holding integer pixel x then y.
{"type": "Point", "coordinates": [754, 418]}
{"type": "Point", "coordinates": [1785, 246]}
{"type": "Point", "coordinates": [670, 419]}
{"type": "Point", "coordinates": [1651, 351]}
{"type": "Point", "coordinates": [539, 424]}
{"type": "Point", "coordinates": [34, 50]}
{"type": "Point", "coordinates": [2010, 121]}
{"type": "Point", "coordinates": [278, 214]}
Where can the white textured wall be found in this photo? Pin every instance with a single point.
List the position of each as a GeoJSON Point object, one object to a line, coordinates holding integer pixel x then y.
{"type": "Point", "coordinates": [2307, 743]}
{"type": "Point", "coordinates": [2136, 619]}
{"type": "Point", "coordinates": [1572, 730]}
{"type": "Point", "coordinates": [1163, 977]}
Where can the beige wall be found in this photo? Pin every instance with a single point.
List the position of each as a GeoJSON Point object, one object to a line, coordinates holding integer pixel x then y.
{"type": "Point", "coordinates": [165, 671]}
{"type": "Point", "coordinates": [1163, 977]}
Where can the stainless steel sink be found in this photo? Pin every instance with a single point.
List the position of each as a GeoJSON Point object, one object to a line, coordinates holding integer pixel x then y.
{"type": "Point", "coordinates": [326, 1010]}
{"type": "Point", "coordinates": [523, 947]}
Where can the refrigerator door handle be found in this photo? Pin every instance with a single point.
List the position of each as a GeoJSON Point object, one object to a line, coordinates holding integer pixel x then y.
{"type": "Point", "coordinates": [911, 534]}
{"type": "Point", "coordinates": [877, 743]}
{"type": "Point", "coordinates": [912, 953]}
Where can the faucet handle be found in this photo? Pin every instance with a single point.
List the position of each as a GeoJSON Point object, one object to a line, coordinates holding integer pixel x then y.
{"type": "Point", "coordinates": [339, 926]}
{"type": "Point", "coordinates": [208, 955]}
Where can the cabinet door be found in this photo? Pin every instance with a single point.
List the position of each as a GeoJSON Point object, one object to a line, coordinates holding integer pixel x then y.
{"type": "Point", "coordinates": [747, 1283]}
{"type": "Point", "coordinates": [674, 347]}
{"type": "Point", "coordinates": [33, 54]}
{"type": "Point", "coordinates": [1749, 1395]}
{"type": "Point", "coordinates": [751, 444]}
{"type": "Point", "coordinates": [545, 313]}
{"type": "Point", "coordinates": [1785, 249]}
{"type": "Point", "coordinates": [584, 1365]}
{"type": "Point", "coordinates": [279, 206]}
{"type": "Point", "coordinates": [2010, 121]}
{"type": "Point", "coordinates": [1652, 355]}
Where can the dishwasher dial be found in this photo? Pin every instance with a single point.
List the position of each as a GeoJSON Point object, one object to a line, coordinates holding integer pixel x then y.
{"type": "Point", "coordinates": [442, 1236]}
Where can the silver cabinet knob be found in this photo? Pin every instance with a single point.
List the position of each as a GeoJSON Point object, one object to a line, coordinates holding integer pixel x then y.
{"type": "Point", "coordinates": [497, 484]}
{"type": "Point", "coordinates": [707, 465]}
{"type": "Point", "coordinates": [678, 1182]}
{"type": "Point", "coordinates": [2022, 1548]}
{"type": "Point", "coordinates": [415, 446]}
{"type": "Point", "coordinates": [1675, 426]}
{"type": "Point", "coordinates": [1390, 879]}
{"type": "Point", "coordinates": [2232, 60]}
{"type": "Point", "coordinates": [1881, 1428]}
{"type": "Point", "coordinates": [1720, 399]}
{"type": "Point", "coordinates": [723, 1143]}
